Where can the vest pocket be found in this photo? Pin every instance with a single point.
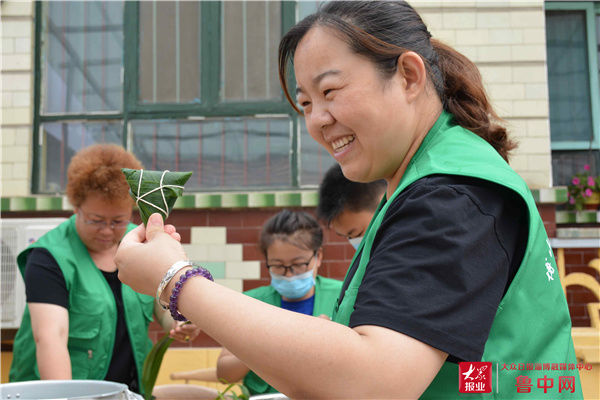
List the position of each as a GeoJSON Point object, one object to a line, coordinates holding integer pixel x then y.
{"type": "Point", "coordinates": [147, 303]}
{"type": "Point", "coordinates": [84, 335]}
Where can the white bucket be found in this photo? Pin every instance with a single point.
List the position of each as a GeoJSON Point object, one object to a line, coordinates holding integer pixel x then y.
{"type": "Point", "coordinates": [63, 390]}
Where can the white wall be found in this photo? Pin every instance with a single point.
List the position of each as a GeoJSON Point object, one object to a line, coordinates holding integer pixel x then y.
{"type": "Point", "coordinates": [16, 78]}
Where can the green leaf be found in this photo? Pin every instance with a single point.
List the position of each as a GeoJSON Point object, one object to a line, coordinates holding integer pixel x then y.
{"type": "Point", "coordinates": [229, 394]}
{"type": "Point", "coordinates": [156, 191]}
{"type": "Point", "coordinates": [245, 391]}
{"type": "Point", "coordinates": [152, 365]}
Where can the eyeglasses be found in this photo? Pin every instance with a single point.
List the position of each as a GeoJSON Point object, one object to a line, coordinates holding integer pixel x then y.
{"type": "Point", "coordinates": [296, 268]}
{"type": "Point", "coordinates": [100, 224]}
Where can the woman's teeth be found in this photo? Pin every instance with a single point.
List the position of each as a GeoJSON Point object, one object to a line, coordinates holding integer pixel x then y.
{"type": "Point", "coordinates": [340, 143]}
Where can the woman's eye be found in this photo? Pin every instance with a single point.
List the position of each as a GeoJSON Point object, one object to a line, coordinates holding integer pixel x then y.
{"type": "Point", "coordinates": [327, 91]}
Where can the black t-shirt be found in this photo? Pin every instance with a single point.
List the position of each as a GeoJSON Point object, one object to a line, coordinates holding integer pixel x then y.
{"type": "Point", "coordinates": [45, 283]}
{"type": "Point", "coordinates": [442, 259]}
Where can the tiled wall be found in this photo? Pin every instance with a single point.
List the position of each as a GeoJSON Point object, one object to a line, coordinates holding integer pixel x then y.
{"type": "Point", "coordinates": [225, 240]}
{"type": "Point", "coordinates": [16, 75]}
{"type": "Point", "coordinates": [506, 39]}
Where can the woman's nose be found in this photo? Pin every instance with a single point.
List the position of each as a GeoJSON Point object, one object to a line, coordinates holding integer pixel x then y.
{"type": "Point", "coordinates": [321, 118]}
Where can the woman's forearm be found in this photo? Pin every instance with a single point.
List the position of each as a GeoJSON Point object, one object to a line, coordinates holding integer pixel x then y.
{"type": "Point", "coordinates": [289, 349]}
{"type": "Point", "coordinates": [231, 368]}
{"type": "Point", "coordinates": [50, 326]}
{"type": "Point", "coordinates": [53, 359]}
{"type": "Point", "coordinates": [299, 355]}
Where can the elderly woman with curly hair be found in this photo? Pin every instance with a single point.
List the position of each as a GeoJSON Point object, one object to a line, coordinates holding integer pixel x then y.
{"type": "Point", "coordinates": [81, 322]}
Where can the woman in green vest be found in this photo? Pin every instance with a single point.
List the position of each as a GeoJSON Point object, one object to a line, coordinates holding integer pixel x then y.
{"type": "Point", "coordinates": [81, 322]}
{"type": "Point", "coordinates": [291, 242]}
{"type": "Point", "coordinates": [455, 266]}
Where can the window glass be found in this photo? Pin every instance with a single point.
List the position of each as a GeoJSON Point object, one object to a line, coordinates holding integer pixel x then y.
{"type": "Point", "coordinates": [222, 153]}
{"type": "Point", "coordinates": [565, 164]}
{"type": "Point", "coordinates": [82, 56]}
{"type": "Point", "coordinates": [250, 34]}
{"type": "Point", "coordinates": [598, 46]}
{"type": "Point", "coordinates": [568, 76]}
{"type": "Point", "coordinates": [307, 7]}
{"type": "Point", "coordinates": [170, 43]}
{"type": "Point", "coordinates": [61, 140]}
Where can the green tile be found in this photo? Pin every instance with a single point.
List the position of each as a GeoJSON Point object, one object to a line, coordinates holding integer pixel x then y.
{"type": "Point", "coordinates": [565, 217]}
{"type": "Point", "coordinates": [5, 204]}
{"type": "Point", "coordinates": [585, 217]}
{"type": "Point", "coordinates": [185, 201]}
{"type": "Point", "coordinates": [234, 200]}
{"type": "Point", "coordinates": [551, 195]}
{"type": "Point", "coordinates": [561, 194]}
{"type": "Point", "coordinates": [290, 199]}
{"type": "Point", "coordinates": [48, 203]}
{"type": "Point", "coordinates": [536, 195]}
{"type": "Point", "coordinates": [216, 268]}
{"type": "Point", "coordinates": [22, 204]}
{"type": "Point", "coordinates": [261, 199]}
{"type": "Point", "coordinates": [204, 200]}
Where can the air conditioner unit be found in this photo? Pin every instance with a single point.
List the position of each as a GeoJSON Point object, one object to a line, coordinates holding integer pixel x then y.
{"type": "Point", "coordinates": [16, 235]}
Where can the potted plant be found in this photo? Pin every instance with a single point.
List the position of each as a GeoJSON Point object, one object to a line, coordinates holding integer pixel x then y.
{"type": "Point", "coordinates": [584, 190]}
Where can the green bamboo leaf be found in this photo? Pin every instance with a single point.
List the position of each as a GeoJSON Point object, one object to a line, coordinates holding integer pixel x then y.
{"type": "Point", "coordinates": [152, 365]}
{"type": "Point", "coordinates": [157, 191]}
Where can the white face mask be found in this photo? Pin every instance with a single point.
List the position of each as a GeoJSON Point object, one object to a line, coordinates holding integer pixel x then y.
{"type": "Point", "coordinates": [355, 242]}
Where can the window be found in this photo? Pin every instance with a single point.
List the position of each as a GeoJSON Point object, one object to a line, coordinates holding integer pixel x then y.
{"type": "Point", "coordinates": [184, 85]}
{"type": "Point", "coordinates": [573, 44]}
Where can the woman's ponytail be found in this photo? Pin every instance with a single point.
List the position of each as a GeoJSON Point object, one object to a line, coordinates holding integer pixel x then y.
{"type": "Point", "coordinates": [464, 97]}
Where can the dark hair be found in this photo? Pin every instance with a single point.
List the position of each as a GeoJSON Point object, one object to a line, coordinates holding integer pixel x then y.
{"type": "Point", "coordinates": [97, 169]}
{"type": "Point", "coordinates": [382, 31]}
{"type": "Point", "coordinates": [295, 227]}
{"type": "Point", "coordinates": [337, 193]}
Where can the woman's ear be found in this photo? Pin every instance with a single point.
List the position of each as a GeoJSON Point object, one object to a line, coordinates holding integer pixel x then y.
{"type": "Point", "coordinates": [414, 73]}
{"type": "Point", "coordinates": [319, 257]}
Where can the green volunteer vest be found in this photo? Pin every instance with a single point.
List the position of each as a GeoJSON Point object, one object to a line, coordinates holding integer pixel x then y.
{"type": "Point", "coordinates": [92, 312]}
{"type": "Point", "coordinates": [532, 324]}
{"type": "Point", "coordinates": [326, 293]}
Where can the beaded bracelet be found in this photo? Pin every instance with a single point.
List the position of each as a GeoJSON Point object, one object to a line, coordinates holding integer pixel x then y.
{"type": "Point", "coordinates": [196, 271]}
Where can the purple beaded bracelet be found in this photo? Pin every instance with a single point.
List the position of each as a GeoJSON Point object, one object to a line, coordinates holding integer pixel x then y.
{"type": "Point", "coordinates": [196, 271]}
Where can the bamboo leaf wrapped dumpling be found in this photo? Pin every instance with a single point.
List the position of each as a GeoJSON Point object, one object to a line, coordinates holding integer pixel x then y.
{"type": "Point", "coordinates": [155, 191]}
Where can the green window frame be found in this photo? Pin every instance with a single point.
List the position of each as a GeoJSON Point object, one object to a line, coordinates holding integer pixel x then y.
{"type": "Point", "coordinates": [592, 11]}
{"type": "Point", "coordinates": [210, 105]}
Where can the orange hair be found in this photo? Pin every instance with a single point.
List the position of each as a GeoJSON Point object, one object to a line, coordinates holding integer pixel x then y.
{"type": "Point", "coordinates": [97, 169]}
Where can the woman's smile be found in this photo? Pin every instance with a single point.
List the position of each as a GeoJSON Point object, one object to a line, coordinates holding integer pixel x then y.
{"type": "Point", "coordinates": [342, 144]}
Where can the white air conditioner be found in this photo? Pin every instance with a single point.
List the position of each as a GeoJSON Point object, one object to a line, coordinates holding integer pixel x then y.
{"type": "Point", "coordinates": [16, 234]}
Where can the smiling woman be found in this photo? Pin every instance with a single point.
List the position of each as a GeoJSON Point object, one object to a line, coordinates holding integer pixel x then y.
{"type": "Point", "coordinates": [76, 306]}
{"type": "Point", "coordinates": [455, 257]}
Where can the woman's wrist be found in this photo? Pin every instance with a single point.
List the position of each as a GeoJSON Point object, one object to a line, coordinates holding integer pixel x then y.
{"type": "Point", "coordinates": [166, 294]}
{"type": "Point", "coordinates": [165, 287]}
{"type": "Point", "coordinates": [178, 287]}
{"type": "Point", "coordinates": [172, 282]}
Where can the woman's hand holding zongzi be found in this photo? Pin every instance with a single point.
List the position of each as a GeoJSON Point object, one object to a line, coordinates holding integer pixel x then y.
{"type": "Point", "coordinates": [146, 253]}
